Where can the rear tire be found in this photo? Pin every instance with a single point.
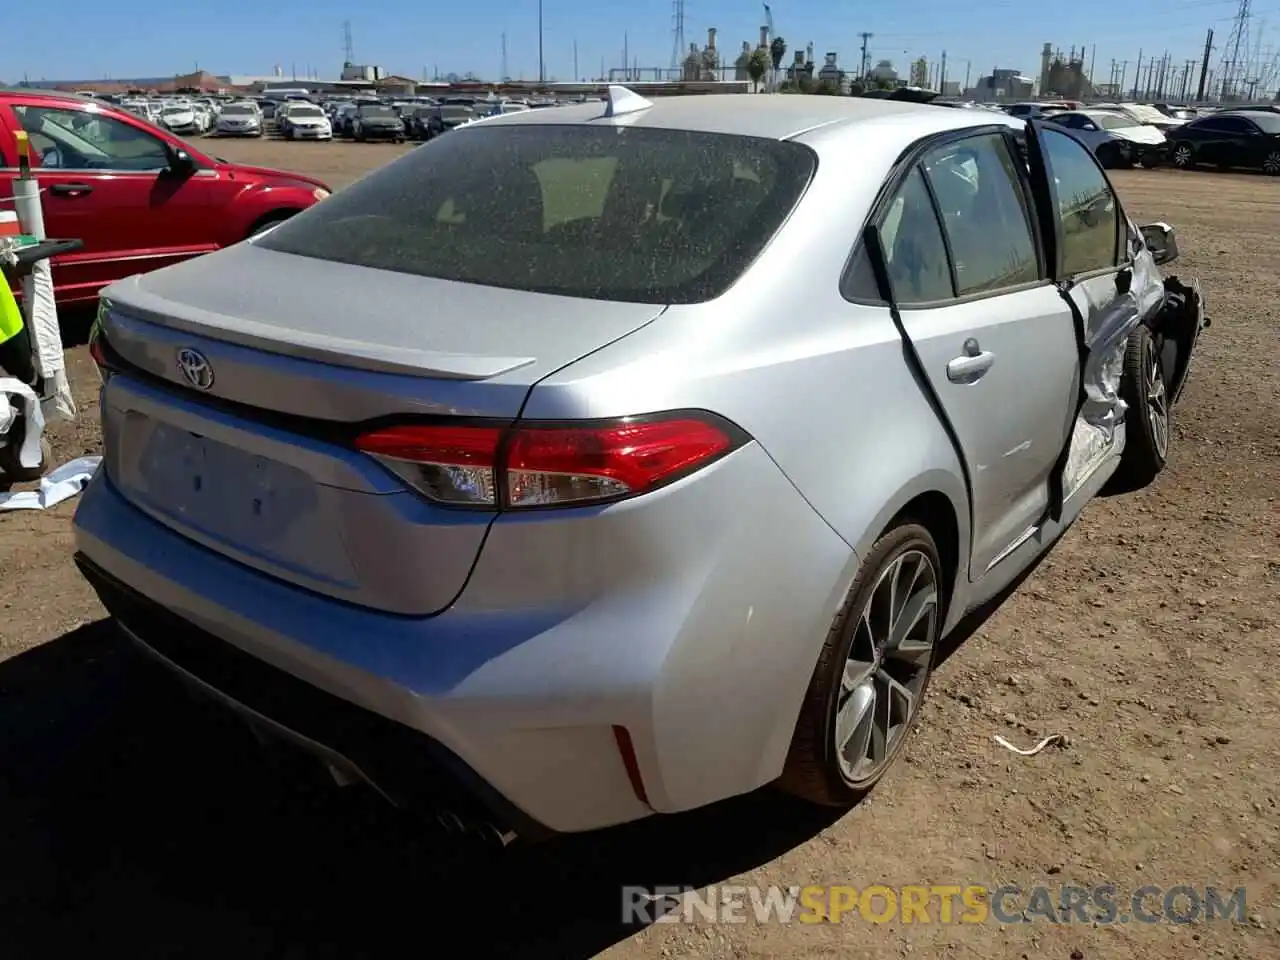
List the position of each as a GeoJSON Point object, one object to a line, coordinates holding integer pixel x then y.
{"type": "Point", "coordinates": [1271, 164]}
{"type": "Point", "coordinates": [1149, 419]}
{"type": "Point", "coordinates": [1182, 156]}
{"type": "Point", "coordinates": [872, 674]}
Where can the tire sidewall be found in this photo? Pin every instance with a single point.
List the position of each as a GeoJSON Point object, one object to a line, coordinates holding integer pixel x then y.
{"type": "Point", "coordinates": [1141, 462]}
{"type": "Point", "coordinates": [904, 537]}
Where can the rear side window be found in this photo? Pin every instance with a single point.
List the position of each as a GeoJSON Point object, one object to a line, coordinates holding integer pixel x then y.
{"type": "Point", "coordinates": [984, 214]}
{"type": "Point", "coordinates": [913, 246]}
{"type": "Point", "coordinates": [610, 213]}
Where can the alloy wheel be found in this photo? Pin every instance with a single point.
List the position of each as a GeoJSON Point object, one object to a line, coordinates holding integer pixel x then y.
{"type": "Point", "coordinates": [888, 666]}
{"type": "Point", "coordinates": [1271, 164]}
{"type": "Point", "coordinates": [1182, 156]}
{"type": "Point", "coordinates": [1158, 408]}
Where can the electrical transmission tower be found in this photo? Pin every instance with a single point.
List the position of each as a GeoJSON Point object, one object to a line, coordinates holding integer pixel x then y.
{"type": "Point", "coordinates": [348, 50]}
{"type": "Point", "coordinates": [677, 34]}
{"type": "Point", "coordinates": [866, 60]}
{"type": "Point", "coordinates": [1231, 70]}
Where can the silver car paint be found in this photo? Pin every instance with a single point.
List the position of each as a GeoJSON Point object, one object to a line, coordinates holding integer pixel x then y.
{"type": "Point", "coordinates": [692, 616]}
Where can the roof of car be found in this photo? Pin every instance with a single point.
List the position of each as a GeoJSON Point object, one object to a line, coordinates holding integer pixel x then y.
{"type": "Point", "coordinates": [48, 94]}
{"type": "Point", "coordinates": [772, 116]}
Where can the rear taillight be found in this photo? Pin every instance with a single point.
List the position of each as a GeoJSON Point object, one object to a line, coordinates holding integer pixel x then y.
{"type": "Point", "coordinates": [101, 352]}
{"type": "Point", "coordinates": [547, 465]}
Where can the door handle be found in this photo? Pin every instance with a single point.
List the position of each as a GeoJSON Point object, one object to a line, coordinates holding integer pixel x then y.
{"type": "Point", "coordinates": [71, 189]}
{"type": "Point", "coordinates": [970, 368]}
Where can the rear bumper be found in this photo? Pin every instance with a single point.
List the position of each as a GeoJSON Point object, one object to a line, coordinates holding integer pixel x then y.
{"type": "Point", "coordinates": [699, 644]}
{"type": "Point", "coordinates": [407, 767]}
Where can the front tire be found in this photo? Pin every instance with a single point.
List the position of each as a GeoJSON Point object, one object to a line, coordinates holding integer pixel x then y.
{"type": "Point", "coordinates": [1271, 164]}
{"type": "Point", "coordinates": [1182, 156]}
{"type": "Point", "coordinates": [872, 674]}
{"type": "Point", "coordinates": [1149, 420]}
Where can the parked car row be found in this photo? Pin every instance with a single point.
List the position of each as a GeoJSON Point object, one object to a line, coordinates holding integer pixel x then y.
{"type": "Point", "coordinates": [1129, 134]}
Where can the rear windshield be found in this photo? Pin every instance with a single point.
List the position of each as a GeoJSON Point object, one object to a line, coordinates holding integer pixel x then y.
{"type": "Point", "coordinates": [609, 213]}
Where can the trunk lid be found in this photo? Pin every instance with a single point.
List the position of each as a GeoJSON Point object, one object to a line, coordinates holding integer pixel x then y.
{"type": "Point", "coordinates": [255, 459]}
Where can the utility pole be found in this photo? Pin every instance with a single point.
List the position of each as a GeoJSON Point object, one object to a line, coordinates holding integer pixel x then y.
{"type": "Point", "coordinates": [1093, 55]}
{"type": "Point", "coordinates": [942, 72]}
{"type": "Point", "coordinates": [542, 67]}
{"type": "Point", "coordinates": [1230, 67]}
{"type": "Point", "coordinates": [1204, 65]}
{"type": "Point", "coordinates": [504, 74]}
{"type": "Point", "coordinates": [866, 63]}
{"type": "Point", "coordinates": [626, 57]}
{"type": "Point", "coordinates": [967, 65]}
{"type": "Point", "coordinates": [1124, 74]}
{"type": "Point", "coordinates": [576, 76]}
{"type": "Point", "coordinates": [1137, 76]}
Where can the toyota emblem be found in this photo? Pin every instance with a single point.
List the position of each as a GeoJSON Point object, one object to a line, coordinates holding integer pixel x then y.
{"type": "Point", "coordinates": [195, 368]}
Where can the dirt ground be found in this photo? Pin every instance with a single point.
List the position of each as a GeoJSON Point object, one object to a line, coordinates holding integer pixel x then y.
{"type": "Point", "coordinates": [132, 818]}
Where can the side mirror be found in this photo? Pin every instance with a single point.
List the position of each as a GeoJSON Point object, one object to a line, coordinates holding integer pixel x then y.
{"type": "Point", "coordinates": [180, 161]}
{"type": "Point", "coordinates": [1161, 241]}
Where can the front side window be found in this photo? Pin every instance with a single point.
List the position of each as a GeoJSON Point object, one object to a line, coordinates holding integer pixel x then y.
{"type": "Point", "coordinates": [609, 213]}
{"type": "Point", "coordinates": [1086, 206]}
{"type": "Point", "coordinates": [984, 214]}
{"type": "Point", "coordinates": [66, 139]}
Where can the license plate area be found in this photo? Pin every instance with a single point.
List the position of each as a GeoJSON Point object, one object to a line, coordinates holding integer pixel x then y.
{"type": "Point", "coordinates": [259, 508]}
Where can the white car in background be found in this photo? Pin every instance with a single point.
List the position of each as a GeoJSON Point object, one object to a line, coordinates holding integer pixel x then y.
{"type": "Point", "coordinates": [239, 120]}
{"type": "Point", "coordinates": [181, 118]}
{"type": "Point", "coordinates": [306, 121]}
{"type": "Point", "coordinates": [1114, 137]}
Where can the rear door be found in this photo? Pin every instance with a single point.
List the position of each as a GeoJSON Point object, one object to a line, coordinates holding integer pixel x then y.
{"type": "Point", "coordinates": [995, 338]}
{"type": "Point", "coordinates": [109, 182]}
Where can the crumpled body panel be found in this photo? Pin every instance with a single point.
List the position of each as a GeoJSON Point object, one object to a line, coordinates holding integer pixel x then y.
{"type": "Point", "coordinates": [1108, 320]}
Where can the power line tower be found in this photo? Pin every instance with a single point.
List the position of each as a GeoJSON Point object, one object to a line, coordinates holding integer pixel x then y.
{"type": "Point", "coordinates": [866, 60]}
{"type": "Point", "coordinates": [677, 34]}
{"type": "Point", "coordinates": [1230, 70]}
{"type": "Point", "coordinates": [348, 49]}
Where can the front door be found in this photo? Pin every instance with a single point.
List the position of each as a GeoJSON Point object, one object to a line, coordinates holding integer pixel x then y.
{"type": "Point", "coordinates": [1095, 271]}
{"type": "Point", "coordinates": [994, 336]}
{"type": "Point", "coordinates": [113, 185]}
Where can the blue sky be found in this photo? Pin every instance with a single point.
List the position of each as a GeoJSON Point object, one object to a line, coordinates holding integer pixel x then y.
{"type": "Point", "coordinates": [134, 38]}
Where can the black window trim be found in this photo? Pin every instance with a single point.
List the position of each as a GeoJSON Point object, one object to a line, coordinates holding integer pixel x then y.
{"type": "Point", "coordinates": [1121, 253]}
{"type": "Point", "coordinates": [908, 161]}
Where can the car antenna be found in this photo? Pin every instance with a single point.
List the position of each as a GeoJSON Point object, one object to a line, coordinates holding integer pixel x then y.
{"type": "Point", "coordinates": [621, 100]}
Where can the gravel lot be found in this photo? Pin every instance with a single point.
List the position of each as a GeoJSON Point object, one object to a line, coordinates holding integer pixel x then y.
{"type": "Point", "coordinates": [133, 819]}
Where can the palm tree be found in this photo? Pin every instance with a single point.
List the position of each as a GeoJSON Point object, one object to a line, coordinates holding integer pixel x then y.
{"type": "Point", "coordinates": [757, 66]}
{"type": "Point", "coordinates": [777, 50]}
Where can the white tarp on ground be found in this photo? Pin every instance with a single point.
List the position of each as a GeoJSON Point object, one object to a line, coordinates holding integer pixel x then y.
{"type": "Point", "coordinates": [42, 321]}
{"type": "Point", "coordinates": [58, 485]}
{"type": "Point", "coordinates": [19, 400]}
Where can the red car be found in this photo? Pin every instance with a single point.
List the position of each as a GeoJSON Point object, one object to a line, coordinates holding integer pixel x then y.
{"type": "Point", "coordinates": [138, 197]}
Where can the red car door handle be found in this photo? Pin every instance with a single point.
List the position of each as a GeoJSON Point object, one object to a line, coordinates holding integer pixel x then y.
{"type": "Point", "coordinates": [71, 189]}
